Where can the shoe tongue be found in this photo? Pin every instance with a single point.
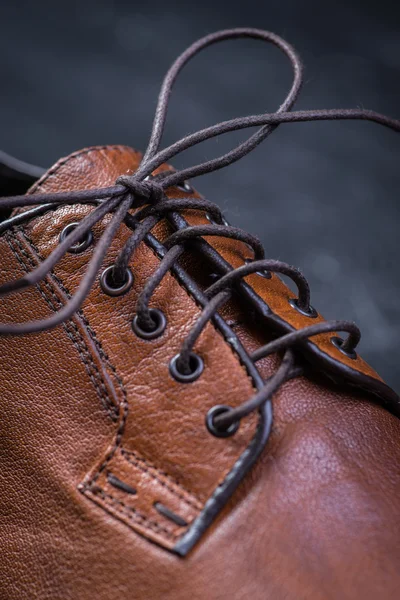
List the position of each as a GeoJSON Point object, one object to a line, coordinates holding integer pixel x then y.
{"type": "Point", "coordinates": [94, 167]}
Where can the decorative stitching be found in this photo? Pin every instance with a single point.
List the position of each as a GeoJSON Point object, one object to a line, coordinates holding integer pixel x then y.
{"type": "Point", "coordinates": [75, 336]}
{"type": "Point", "coordinates": [134, 514]}
{"type": "Point", "coordinates": [93, 334]}
{"type": "Point", "coordinates": [170, 515]}
{"type": "Point", "coordinates": [187, 496]}
{"type": "Point", "coordinates": [118, 439]}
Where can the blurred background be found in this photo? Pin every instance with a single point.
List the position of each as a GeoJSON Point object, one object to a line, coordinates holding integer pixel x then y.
{"type": "Point", "coordinates": [321, 196]}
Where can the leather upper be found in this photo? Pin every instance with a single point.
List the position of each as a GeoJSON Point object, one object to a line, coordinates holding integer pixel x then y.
{"type": "Point", "coordinates": [89, 403]}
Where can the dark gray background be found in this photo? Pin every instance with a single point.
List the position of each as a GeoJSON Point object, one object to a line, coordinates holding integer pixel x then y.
{"type": "Point", "coordinates": [322, 196]}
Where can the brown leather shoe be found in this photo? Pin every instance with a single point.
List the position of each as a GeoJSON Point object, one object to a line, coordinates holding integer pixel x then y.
{"type": "Point", "coordinates": [144, 342]}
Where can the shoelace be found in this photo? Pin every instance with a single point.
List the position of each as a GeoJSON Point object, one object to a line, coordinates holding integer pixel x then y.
{"type": "Point", "coordinates": [147, 194]}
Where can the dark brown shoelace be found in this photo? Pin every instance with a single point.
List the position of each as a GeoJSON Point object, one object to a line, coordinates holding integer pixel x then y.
{"type": "Point", "coordinates": [147, 194]}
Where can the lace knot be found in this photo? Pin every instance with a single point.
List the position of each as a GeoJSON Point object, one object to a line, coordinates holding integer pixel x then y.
{"type": "Point", "coordinates": [149, 191]}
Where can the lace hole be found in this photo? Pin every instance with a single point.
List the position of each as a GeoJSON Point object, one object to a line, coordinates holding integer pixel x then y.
{"type": "Point", "coordinates": [196, 366]}
{"type": "Point", "coordinates": [81, 245]}
{"type": "Point", "coordinates": [110, 287]}
{"type": "Point", "coordinates": [218, 431]}
{"type": "Point", "coordinates": [185, 187]}
{"type": "Point", "coordinates": [265, 274]}
{"type": "Point", "coordinates": [150, 334]}
{"type": "Point", "coordinates": [309, 312]}
{"type": "Point", "coordinates": [214, 221]}
{"type": "Point", "coordinates": [338, 343]}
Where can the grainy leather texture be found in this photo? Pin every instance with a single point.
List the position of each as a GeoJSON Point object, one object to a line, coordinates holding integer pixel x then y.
{"type": "Point", "coordinates": [88, 401]}
{"type": "Point", "coordinates": [153, 407]}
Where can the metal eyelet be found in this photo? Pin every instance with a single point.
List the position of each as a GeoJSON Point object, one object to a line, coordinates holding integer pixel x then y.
{"type": "Point", "coordinates": [160, 325]}
{"type": "Point", "coordinates": [310, 312]}
{"type": "Point", "coordinates": [185, 187]}
{"type": "Point", "coordinates": [265, 274]}
{"type": "Point", "coordinates": [214, 221]}
{"type": "Point", "coordinates": [196, 364]}
{"type": "Point", "coordinates": [108, 285]}
{"type": "Point", "coordinates": [213, 429]}
{"type": "Point", "coordinates": [338, 343]}
{"type": "Point", "coordinates": [80, 246]}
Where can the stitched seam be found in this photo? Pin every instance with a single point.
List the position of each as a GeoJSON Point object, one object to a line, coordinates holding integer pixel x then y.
{"type": "Point", "coordinates": [133, 514]}
{"type": "Point", "coordinates": [118, 439]}
{"type": "Point", "coordinates": [99, 347]}
{"type": "Point", "coordinates": [75, 336]}
{"type": "Point", "coordinates": [98, 344]}
{"type": "Point", "coordinates": [111, 407]}
{"type": "Point", "coordinates": [187, 496]}
{"type": "Point", "coordinates": [125, 407]}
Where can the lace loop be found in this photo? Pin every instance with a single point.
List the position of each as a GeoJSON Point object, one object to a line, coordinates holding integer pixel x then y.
{"type": "Point", "coordinates": [170, 78]}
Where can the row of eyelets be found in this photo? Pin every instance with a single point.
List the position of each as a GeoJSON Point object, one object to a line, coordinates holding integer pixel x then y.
{"type": "Point", "coordinates": [112, 288]}
{"type": "Point", "coordinates": [196, 362]}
